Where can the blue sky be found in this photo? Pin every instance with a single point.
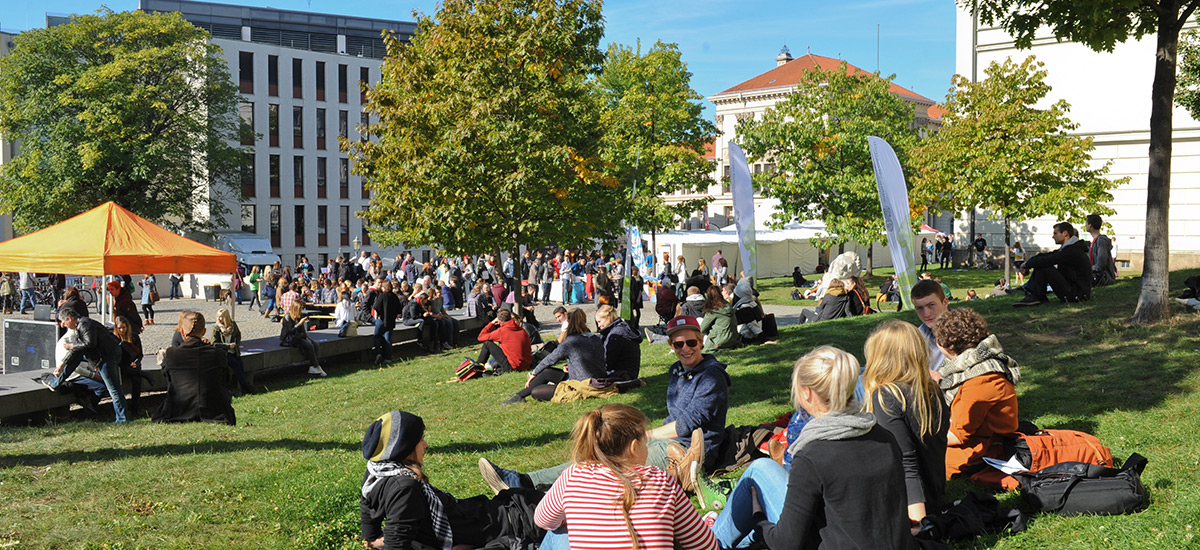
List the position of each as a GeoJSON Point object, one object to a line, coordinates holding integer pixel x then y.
{"type": "Point", "coordinates": [723, 41]}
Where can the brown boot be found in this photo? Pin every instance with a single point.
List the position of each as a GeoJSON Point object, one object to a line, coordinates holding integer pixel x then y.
{"type": "Point", "coordinates": [777, 450]}
{"type": "Point", "coordinates": [685, 464]}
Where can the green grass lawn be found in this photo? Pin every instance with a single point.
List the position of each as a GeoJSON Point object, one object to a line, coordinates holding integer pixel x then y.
{"type": "Point", "coordinates": [288, 475]}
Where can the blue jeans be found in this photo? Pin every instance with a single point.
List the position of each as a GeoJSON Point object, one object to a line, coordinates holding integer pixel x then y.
{"type": "Point", "coordinates": [27, 294]}
{"type": "Point", "coordinates": [556, 540]}
{"type": "Point", "coordinates": [770, 480]}
{"type": "Point", "coordinates": [111, 375]}
{"type": "Point", "coordinates": [383, 340]}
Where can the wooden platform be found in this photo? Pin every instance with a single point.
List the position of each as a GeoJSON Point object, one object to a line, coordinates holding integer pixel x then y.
{"type": "Point", "coordinates": [21, 394]}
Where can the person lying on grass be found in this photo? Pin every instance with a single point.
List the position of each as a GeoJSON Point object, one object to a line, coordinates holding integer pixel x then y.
{"type": "Point", "coordinates": [400, 507]}
{"type": "Point", "coordinates": [979, 382]}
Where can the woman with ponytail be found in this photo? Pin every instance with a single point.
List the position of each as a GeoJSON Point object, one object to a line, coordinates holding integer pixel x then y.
{"type": "Point", "coordinates": [907, 402]}
{"type": "Point", "coordinates": [401, 509]}
{"type": "Point", "coordinates": [610, 499]}
{"type": "Point", "coordinates": [846, 486]}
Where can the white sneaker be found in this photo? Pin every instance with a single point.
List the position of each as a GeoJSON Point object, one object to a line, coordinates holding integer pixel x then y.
{"type": "Point", "coordinates": [317, 371]}
{"type": "Point", "coordinates": [447, 347]}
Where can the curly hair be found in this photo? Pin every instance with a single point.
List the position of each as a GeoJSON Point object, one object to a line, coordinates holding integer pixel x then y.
{"type": "Point", "coordinates": [960, 329]}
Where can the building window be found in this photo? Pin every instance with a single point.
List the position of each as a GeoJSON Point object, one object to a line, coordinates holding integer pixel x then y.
{"type": "Point", "coordinates": [322, 227]}
{"type": "Point", "coordinates": [322, 176]}
{"type": "Point", "coordinates": [323, 258]}
{"type": "Point", "coordinates": [342, 83]}
{"type": "Point", "coordinates": [249, 213]}
{"type": "Point", "coordinates": [364, 75]}
{"type": "Point", "coordinates": [298, 127]}
{"type": "Point", "coordinates": [728, 214]}
{"type": "Point", "coordinates": [320, 81]}
{"type": "Point", "coordinates": [299, 225]}
{"type": "Point", "coordinates": [298, 176]}
{"type": "Point", "coordinates": [345, 228]}
{"type": "Point", "coordinates": [273, 170]}
{"type": "Point", "coordinates": [364, 128]}
{"type": "Point", "coordinates": [275, 227]}
{"type": "Point", "coordinates": [320, 128]}
{"type": "Point", "coordinates": [273, 75]}
{"type": "Point", "coordinates": [344, 124]}
{"type": "Point", "coordinates": [249, 189]}
{"type": "Point", "coordinates": [344, 177]}
{"type": "Point", "coordinates": [273, 125]}
{"type": "Point", "coordinates": [246, 110]}
{"type": "Point", "coordinates": [297, 78]}
{"type": "Point", "coordinates": [366, 193]}
{"type": "Point", "coordinates": [366, 239]}
{"type": "Point", "coordinates": [246, 71]}
{"type": "Point", "coordinates": [769, 167]}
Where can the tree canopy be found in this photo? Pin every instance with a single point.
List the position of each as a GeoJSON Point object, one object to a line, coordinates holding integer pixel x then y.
{"type": "Point", "coordinates": [999, 151]}
{"type": "Point", "coordinates": [654, 131]}
{"type": "Point", "coordinates": [130, 107]}
{"type": "Point", "coordinates": [488, 130]}
{"type": "Point", "coordinates": [817, 138]}
{"type": "Point", "coordinates": [1101, 25]}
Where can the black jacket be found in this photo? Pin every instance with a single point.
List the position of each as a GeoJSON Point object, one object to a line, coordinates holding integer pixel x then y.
{"type": "Point", "coordinates": [198, 376]}
{"type": "Point", "coordinates": [834, 307]}
{"type": "Point", "coordinates": [413, 310]}
{"type": "Point", "coordinates": [397, 510]}
{"type": "Point", "coordinates": [923, 458]}
{"type": "Point", "coordinates": [291, 332]}
{"type": "Point", "coordinates": [845, 494]}
{"type": "Point", "coordinates": [622, 354]}
{"type": "Point", "coordinates": [95, 343]}
{"type": "Point", "coordinates": [387, 307]}
{"type": "Point", "coordinates": [1074, 265]}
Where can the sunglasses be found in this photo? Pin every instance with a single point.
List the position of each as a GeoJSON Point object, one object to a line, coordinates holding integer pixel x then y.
{"type": "Point", "coordinates": [689, 343]}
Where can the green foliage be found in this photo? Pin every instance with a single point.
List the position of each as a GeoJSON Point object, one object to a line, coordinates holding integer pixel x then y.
{"type": "Point", "coordinates": [488, 131]}
{"type": "Point", "coordinates": [654, 131]}
{"type": "Point", "coordinates": [817, 138]}
{"type": "Point", "coordinates": [128, 107]}
{"type": "Point", "coordinates": [1187, 92]}
{"type": "Point", "coordinates": [999, 151]}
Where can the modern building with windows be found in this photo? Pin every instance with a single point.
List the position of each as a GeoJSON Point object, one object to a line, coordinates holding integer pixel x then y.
{"type": "Point", "coordinates": [301, 77]}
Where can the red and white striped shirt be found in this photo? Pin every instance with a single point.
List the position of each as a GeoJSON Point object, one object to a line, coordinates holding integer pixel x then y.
{"type": "Point", "coordinates": [588, 497]}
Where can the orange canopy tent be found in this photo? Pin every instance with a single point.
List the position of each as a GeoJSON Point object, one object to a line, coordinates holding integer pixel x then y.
{"type": "Point", "coordinates": [110, 240]}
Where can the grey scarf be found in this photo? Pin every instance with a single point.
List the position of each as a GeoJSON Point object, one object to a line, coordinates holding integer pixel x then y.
{"type": "Point", "coordinates": [834, 426]}
{"type": "Point", "coordinates": [985, 358]}
{"type": "Point", "coordinates": [376, 471]}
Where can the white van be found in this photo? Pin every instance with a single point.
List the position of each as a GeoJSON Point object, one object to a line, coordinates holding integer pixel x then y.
{"type": "Point", "coordinates": [251, 249]}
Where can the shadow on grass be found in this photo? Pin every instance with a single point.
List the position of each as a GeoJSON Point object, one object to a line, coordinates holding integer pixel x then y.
{"type": "Point", "coordinates": [200, 447]}
{"type": "Point", "coordinates": [481, 447]}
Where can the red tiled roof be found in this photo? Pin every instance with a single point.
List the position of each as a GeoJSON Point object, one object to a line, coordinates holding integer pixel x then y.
{"type": "Point", "coordinates": [789, 74]}
{"type": "Point", "coordinates": [936, 112]}
{"type": "Point", "coordinates": [710, 149]}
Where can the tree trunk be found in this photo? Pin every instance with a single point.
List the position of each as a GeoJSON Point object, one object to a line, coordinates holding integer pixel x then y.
{"type": "Point", "coordinates": [871, 259]}
{"type": "Point", "coordinates": [1153, 301]}
{"type": "Point", "coordinates": [1007, 256]}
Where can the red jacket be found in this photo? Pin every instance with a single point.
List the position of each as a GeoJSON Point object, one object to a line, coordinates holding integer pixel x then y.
{"type": "Point", "coordinates": [513, 341]}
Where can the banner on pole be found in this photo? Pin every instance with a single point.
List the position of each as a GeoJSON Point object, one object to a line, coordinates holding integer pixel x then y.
{"type": "Point", "coordinates": [897, 217]}
{"type": "Point", "coordinates": [742, 188]}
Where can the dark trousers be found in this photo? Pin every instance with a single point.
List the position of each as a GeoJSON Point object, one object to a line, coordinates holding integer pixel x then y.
{"type": "Point", "coordinates": [545, 292]}
{"type": "Point", "coordinates": [1050, 275]}
{"type": "Point", "coordinates": [239, 372]}
{"type": "Point", "coordinates": [383, 339]}
{"type": "Point", "coordinates": [493, 350]}
{"type": "Point", "coordinates": [635, 317]}
{"type": "Point", "coordinates": [538, 386]}
{"type": "Point", "coordinates": [308, 348]}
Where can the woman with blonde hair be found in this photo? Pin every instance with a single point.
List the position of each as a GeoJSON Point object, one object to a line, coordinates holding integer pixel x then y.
{"type": "Point", "coordinates": [228, 337]}
{"type": "Point", "coordinates": [845, 488]}
{"type": "Point", "coordinates": [907, 402]}
{"type": "Point", "coordinates": [610, 498]}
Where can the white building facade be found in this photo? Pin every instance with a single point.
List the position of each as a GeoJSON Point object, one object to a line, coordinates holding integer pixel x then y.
{"type": "Point", "coordinates": [1109, 95]}
{"type": "Point", "coordinates": [300, 76]}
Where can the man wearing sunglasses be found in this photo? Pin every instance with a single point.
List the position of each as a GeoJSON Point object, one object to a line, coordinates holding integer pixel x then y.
{"type": "Point", "coordinates": [698, 390]}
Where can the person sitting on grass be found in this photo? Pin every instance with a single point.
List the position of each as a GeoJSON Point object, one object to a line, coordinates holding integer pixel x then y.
{"type": "Point", "coordinates": [906, 401]}
{"type": "Point", "coordinates": [400, 509]}
{"type": "Point", "coordinates": [622, 354]}
{"type": "Point", "coordinates": [846, 485]}
{"type": "Point", "coordinates": [693, 304]}
{"type": "Point", "coordinates": [1067, 271]}
{"type": "Point", "coordinates": [689, 438]}
{"type": "Point", "coordinates": [583, 352]}
{"type": "Point", "coordinates": [930, 303]}
{"type": "Point", "coordinates": [506, 343]}
{"type": "Point", "coordinates": [719, 326]}
{"type": "Point", "coordinates": [834, 305]}
{"type": "Point", "coordinates": [609, 452]}
{"type": "Point", "coordinates": [197, 375]}
{"type": "Point", "coordinates": [979, 382]}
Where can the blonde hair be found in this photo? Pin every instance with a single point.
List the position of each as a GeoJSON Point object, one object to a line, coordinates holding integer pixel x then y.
{"type": "Point", "coordinates": [294, 311]}
{"type": "Point", "coordinates": [898, 358]}
{"type": "Point", "coordinates": [223, 317]}
{"type": "Point", "coordinates": [602, 437]}
{"type": "Point", "coordinates": [607, 312]}
{"type": "Point", "coordinates": [831, 373]}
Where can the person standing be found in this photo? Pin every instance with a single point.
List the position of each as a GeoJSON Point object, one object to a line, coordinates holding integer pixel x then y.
{"type": "Point", "coordinates": [635, 298]}
{"type": "Point", "coordinates": [980, 251]}
{"type": "Point", "coordinates": [149, 293]}
{"type": "Point", "coordinates": [387, 307]}
{"type": "Point", "coordinates": [254, 278]}
{"type": "Point", "coordinates": [26, 283]}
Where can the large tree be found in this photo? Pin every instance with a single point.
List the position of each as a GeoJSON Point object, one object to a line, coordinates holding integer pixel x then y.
{"type": "Point", "coordinates": [817, 138]}
{"type": "Point", "coordinates": [654, 132]}
{"type": "Point", "coordinates": [1101, 25]}
{"type": "Point", "coordinates": [488, 131]}
{"type": "Point", "coordinates": [128, 107]}
{"type": "Point", "coordinates": [999, 151]}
